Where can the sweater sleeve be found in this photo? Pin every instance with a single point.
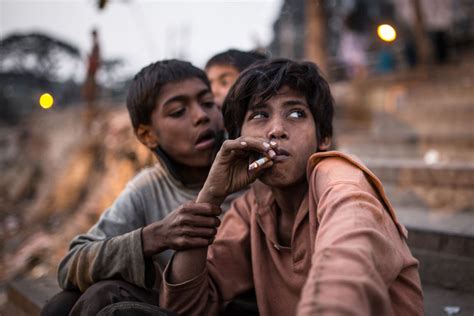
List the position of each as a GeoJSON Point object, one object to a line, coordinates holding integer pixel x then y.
{"type": "Point", "coordinates": [228, 272]}
{"type": "Point", "coordinates": [355, 256]}
{"type": "Point", "coordinates": [112, 249]}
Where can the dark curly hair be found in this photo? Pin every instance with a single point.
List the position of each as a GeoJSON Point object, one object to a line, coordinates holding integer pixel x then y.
{"type": "Point", "coordinates": [263, 80]}
{"type": "Point", "coordinates": [235, 58]}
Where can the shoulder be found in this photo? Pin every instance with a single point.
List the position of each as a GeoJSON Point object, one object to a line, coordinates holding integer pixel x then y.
{"type": "Point", "coordinates": [148, 176]}
{"type": "Point", "coordinates": [333, 166]}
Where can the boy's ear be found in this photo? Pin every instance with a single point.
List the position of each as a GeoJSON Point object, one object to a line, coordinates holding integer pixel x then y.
{"type": "Point", "coordinates": [325, 144]}
{"type": "Point", "coordinates": [147, 136]}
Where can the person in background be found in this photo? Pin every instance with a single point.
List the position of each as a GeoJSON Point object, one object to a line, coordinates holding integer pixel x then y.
{"type": "Point", "coordinates": [224, 68]}
{"type": "Point", "coordinates": [89, 88]}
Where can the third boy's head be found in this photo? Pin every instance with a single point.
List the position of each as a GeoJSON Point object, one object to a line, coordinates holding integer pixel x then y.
{"type": "Point", "coordinates": [286, 102]}
{"type": "Point", "coordinates": [224, 68]}
{"type": "Point", "coordinates": [171, 107]}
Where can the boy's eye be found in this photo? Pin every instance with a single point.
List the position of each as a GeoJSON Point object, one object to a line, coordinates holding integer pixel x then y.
{"type": "Point", "coordinates": [208, 104]}
{"type": "Point", "coordinates": [296, 114]}
{"type": "Point", "coordinates": [224, 82]}
{"type": "Point", "coordinates": [178, 113]}
{"type": "Point", "coordinates": [258, 115]}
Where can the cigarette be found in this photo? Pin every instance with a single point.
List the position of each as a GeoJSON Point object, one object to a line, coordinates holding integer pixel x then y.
{"type": "Point", "coordinates": [258, 163]}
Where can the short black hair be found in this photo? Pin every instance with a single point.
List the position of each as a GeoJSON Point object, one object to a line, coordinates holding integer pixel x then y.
{"type": "Point", "coordinates": [263, 80]}
{"type": "Point", "coordinates": [235, 58]}
{"type": "Point", "coordinates": [147, 83]}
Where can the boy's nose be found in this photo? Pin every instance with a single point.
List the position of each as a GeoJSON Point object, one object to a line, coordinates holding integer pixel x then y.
{"type": "Point", "coordinates": [199, 114]}
{"type": "Point", "coordinates": [277, 131]}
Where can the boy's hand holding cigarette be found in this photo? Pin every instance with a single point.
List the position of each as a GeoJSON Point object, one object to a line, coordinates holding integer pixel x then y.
{"type": "Point", "coordinates": [239, 162]}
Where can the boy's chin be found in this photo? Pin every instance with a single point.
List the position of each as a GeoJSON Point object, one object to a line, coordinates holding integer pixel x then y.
{"type": "Point", "coordinates": [200, 161]}
{"type": "Point", "coordinates": [276, 179]}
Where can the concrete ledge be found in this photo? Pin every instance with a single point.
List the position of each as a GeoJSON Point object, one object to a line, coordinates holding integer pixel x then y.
{"type": "Point", "coordinates": [445, 223]}
{"type": "Point", "coordinates": [444, 270]}
{"type": "Point", "coordinates": [27, 296]}
{"type": "Point", "coordinates": [437, 298]}
{"type": "Point", "coordinates": [444, 245]}
{"type": "Point", "coordinates": [417, 172]}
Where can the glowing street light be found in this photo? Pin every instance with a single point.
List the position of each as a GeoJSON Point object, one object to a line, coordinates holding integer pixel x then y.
{"type": "Point", "coordinates": [46, 101]}
{"type": "Point", "coordinates": [386, 32]}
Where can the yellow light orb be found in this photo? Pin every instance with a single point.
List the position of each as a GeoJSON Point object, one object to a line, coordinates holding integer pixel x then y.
{"type": "Point", "coordinates": [386, 32]}
{"type": "Point", "coordinates": [46, 100]}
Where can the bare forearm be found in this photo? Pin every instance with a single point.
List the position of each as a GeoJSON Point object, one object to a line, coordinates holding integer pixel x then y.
{"type": "Point", "coordinates": [189, 263]}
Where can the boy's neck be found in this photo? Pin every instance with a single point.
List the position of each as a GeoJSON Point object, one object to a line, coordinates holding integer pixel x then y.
{"type": "Point", "coordinates": [289, 199]}
{"type": "Point", "coordinates": [288, 202]}
{"type": "Point", "coordinates": [192, 176]}
{"type": "Point", "coordinates": [189, 176]}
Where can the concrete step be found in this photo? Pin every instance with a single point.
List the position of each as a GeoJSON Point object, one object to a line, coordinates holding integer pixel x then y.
{"type": "Point", "coordinates": [406, 171]}
{"type": "Point", "coordinates": [439, 96]}
{"type": "Point", "coordinates": [437, 187]}
{"type": "Point", "coordinates": [383, 122]}
{"type": "Point", "coordinates": [408, 145]}
{"type": "Point", "coordinates": [438, 299]}
{"type": "Point", "coordinates": [440, 223]}
{"type": "Point", "coordinates": [444, 245]}
{"type": "Point", "coordinates": [27, 296]}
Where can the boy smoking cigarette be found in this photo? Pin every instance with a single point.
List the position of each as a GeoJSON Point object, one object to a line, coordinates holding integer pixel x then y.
{"type": "Point", "coordinates": [315, 234]}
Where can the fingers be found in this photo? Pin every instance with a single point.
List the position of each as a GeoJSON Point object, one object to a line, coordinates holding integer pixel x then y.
{"type": "Point", "coordinates": [201, 221]}
{"type": "Point", "coordinates": [204, 209]}
{"type": "Point", "coordinates": [203, 232]}
{"type": "Point", "coordinates": [248, 144]}
{"type": "Point", "coordinates": [199, 215]}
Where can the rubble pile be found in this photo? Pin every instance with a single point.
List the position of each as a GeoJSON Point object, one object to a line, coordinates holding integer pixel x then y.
{"type": "Point", "coordinates": [57, 179]}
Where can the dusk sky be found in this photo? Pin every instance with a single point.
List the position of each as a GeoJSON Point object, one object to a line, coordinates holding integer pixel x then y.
{"type": "Point", "coordinates": [142, 31]}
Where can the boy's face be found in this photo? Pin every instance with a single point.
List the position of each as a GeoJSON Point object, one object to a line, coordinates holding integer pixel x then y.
{"type": "Point", "coordinates": [286, 119]}
{"type": "Point", "coordinates": [186, 123]}
{"type": "Point", "coordinates": [221, 77]}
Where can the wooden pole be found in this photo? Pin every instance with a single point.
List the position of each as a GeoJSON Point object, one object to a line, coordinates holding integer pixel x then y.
{"type": "Point", "coordinates": [423, 49]}
{"type": "Point", "coordinates": [315, 35]}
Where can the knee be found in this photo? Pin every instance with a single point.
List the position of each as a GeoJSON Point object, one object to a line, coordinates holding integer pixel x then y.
{"type": "Point", "coordinates": [102, 294]}
{"type": "Point", "coordinates": [100, 288]}
{"type": "Point", "coordinates": [61, 303]}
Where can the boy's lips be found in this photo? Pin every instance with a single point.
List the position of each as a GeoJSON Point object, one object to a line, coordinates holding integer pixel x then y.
{"type": "Point", "coordinates": [205, 140]}
{"type": "Point", "coordinates": [281, 155]}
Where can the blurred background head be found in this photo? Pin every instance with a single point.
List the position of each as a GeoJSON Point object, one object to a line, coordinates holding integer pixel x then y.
{"type": "Point", "coordinates": [224, 68]}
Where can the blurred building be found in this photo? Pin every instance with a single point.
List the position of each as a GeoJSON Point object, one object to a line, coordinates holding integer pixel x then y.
{"type": "Point", "coordinates": [454, 17]}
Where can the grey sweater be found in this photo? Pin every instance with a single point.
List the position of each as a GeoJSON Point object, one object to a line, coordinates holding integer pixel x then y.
{"type": "Point", "coordinates": [112, 248]}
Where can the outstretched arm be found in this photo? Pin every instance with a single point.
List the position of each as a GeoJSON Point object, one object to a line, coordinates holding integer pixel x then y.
{"type": "Point", "coordinates": [358, 251]}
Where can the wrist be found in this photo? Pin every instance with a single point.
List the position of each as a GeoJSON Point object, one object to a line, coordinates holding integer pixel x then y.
{"type": "Point", "coordinates": [208, 195]}
{"type": "Point", "coordinates": [152, 241]}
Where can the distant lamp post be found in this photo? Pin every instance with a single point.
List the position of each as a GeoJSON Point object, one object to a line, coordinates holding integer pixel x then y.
{"type": "Point", "coordinates": [386, 32]}
{"type": "Point", "coordinates": [46, 101]}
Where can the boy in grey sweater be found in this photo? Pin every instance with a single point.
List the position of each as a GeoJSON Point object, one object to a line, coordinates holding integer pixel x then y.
{"type": "Point", "coordinates": [120, 258]}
